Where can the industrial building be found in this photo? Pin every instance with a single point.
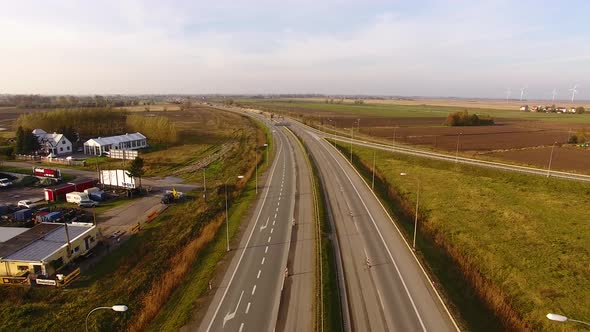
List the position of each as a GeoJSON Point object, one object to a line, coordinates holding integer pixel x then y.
{"type": "Point", "coordinates": [100, 145]}
{"type": "Point", "coordinates": [43, 249]}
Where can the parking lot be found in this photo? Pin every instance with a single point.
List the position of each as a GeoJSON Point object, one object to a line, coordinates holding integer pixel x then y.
{"type": "Point", "coordinates": [12, 195]}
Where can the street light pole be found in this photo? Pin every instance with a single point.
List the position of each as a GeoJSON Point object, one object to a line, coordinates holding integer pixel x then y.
{"type": "Point", "coordinates": [226, 218]}
{"type": "Point", "coordinates": [394, 130]}
{"type": "Point", "coordinates": [562, 319]}
{"type": "Point", "coordinates": [266, 146]}
{"type": "Point", "coordinates": [457, 152]}
{"type": "Point", "coordinates": [351, 134]}
{"type": "Point", "coordinates": [204, 184]}
{"type": "Point", "coordinates": [118, 308]}
{"type": "Point", "coordinates": [550, 159]}
{"type": "Point", "coordinates": [373, 182]}
{"type": "Point", "coordinates": [416, 218]}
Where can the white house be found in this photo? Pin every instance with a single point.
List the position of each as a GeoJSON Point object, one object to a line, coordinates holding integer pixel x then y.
{"type": "Point", "coordinates": [53, 144]}
{"type": "Point", "coordinates": [100, 145]}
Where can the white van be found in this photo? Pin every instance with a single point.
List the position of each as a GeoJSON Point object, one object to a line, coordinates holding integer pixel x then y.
{"type": "Point", "coordinates": [76, 197]}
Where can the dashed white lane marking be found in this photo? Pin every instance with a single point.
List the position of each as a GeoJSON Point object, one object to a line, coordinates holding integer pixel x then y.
{"type": "Point", "coordinates": [277, 210]}
{"type": "Point", "coordinates": [248, 307]}
{"type": "Point", "coordinates": [355, 225]}
{"type": "Point", "coordinates": [273, 222]}
{"type": "Point", "coordinates": [278, 203]}
{"type": "Point", "coordinates": [266, 249]}
{"type": "Point", "coordinates": [271, 230]}
{"type": "Point", "coordinates": [263, 259]}
{"type": "Point", "coordinates": [279, 197]}
{"type": "Point", "coordinates": [258, 276]}
{"type": "Point", "coordinates": [253, 289]}
{"type": "Point", "coordinates": [275, 218]}
{"type": "Point", "coordinates": [241, 327]}
{"type": "Point", "coordinates": [269, 239]}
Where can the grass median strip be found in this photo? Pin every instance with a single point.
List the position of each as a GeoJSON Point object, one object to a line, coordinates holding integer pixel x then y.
{"type": "Point", "coordinates": [329, 315]}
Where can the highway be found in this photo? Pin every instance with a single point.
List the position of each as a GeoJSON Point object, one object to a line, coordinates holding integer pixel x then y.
{"type": "Point", "coordinates": [386, 288]}
{"type": "Point", "coordinates": [250, 293]}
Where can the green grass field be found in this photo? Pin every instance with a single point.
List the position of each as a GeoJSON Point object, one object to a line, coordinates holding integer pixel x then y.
{"type": "Point", "coordinates": [526, 234]}
{"type": "Point", "coordinates": [401, 111]}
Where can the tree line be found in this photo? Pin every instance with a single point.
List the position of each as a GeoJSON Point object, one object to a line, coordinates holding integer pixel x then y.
{"type": "Point", "coordinates": [158, 129]}
{"type": "Point", "coordinates": [38, 101]}
{"type": "Point", "coordinates": [464, 119]}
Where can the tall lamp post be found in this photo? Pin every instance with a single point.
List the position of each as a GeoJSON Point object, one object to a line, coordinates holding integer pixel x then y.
{"type": "Point", "coordinates": [226, 214]}
{"type": "Point", "coordinates": [266, 147]}
{"type": "Point", "coordinates": [550, 159]}
{"type": "Point", "coordinates": [118, 308]}
{"type": "Point", "coordinates": [373, 181]}
{"type": "Point", "coordinates": [563, 319]}
{"type": "Point", "coordinates": [352, 136]}
{"type": "Point", "coordinates": [416, 217]}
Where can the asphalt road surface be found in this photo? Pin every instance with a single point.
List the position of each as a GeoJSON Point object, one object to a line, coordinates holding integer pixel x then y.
{"type": "Point", "coordinates": [249, 296]}
{"type": "Point", "coordinates": [386, 288]}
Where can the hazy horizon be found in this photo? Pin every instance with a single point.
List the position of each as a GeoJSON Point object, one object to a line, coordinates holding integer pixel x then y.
{"type": "Point", "coordinates": [430, 49]}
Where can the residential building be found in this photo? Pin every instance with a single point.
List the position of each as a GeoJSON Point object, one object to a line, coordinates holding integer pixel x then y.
{"type": "Point", "coordinates": [43, 249]}
{"type": "Point", "coordinates": [100, 145]}
{"type": "Point", "coordinates": [53, 144]}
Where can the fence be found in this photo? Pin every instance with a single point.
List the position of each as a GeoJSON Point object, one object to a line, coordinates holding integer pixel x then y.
{"type": "Point", "coordinates": [61, 161]}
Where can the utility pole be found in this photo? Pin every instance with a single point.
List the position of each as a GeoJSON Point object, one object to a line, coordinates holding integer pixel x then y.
{"type": "Point", "coordinates": [373, 182]}
{"type": "Point", "coordinates": [550, 159]}
{"type": "Point", "coordinates": [394, 132]}
{"type": "Point", "coordinates": [457, 152]}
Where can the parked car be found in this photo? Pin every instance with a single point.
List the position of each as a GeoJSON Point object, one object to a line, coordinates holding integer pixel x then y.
{"type": "Point", "coordinates": [87, 203]}
{"type": "Point", "coordinates": [5, 182]}
{"type": "Point", "coordinates": [25, 203]}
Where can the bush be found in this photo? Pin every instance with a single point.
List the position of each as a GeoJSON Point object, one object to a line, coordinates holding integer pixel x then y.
{"type": "Point", "coordinates": [464, 119]}
{"type": "Point", "coordinates": [580, 110]}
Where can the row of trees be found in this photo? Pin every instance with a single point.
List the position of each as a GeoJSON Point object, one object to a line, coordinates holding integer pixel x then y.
{"type": "Point", "coordinates": [38, 101]}
{"type": "Point", "coordinates": [86, 122]}
{"type": "Point", "coordinates": [26, 141]}
{"type": "Point", "coordinates": [159, 129]}
{"type": "Point", "coordinates": [580, 137]}
{"type": "Point", "coordinates": [464, 119]}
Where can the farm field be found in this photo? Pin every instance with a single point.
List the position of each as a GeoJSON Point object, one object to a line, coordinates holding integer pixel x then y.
{"type": "Point", "coordinates": [509, 140]}
{"type": "Point", "coordinates": [524, 236]}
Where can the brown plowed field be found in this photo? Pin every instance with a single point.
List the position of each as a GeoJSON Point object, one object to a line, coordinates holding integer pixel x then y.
{"type": "Point", "coordinates": [522, 141]}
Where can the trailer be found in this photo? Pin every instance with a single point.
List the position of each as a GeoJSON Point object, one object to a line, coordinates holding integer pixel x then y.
{"type": "Point", "coordinates": [76, 197]}
{"type": "Point", "coordinates": [82, 184]}
{"type": "Point", "coordinates": [117, 178]}
{"type": "Point", "coordinates": [41, 172]}
{"type": "Point", "coordinates": [53, 194]}
{"type": "Point", "coordinates": [24, 214]}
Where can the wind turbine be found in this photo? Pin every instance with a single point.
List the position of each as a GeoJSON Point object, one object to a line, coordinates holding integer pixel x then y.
{"type": "Point", "coordinates": [508, 92]}
{"type": "Point", "coordinates": [522, 90]}
{"type": "Point", "coordinates": [554, 93]}
{"type": "Point", "coordinates": [574, 91]}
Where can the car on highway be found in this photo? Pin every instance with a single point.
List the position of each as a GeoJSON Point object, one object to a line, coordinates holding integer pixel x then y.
{"type": "Point", "coordinates": [5, 182]}
{"type": "Point", "coordinates": [87, 203]}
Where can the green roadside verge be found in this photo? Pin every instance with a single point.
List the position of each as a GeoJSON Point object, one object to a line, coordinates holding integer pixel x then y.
{"type": "Point", "coordinates": [179, 308]}
{"type": "Point", "coordinates": [329, 315]}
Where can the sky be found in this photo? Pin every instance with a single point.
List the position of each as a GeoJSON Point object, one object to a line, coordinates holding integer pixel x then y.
{"type": "Point", "coordinates": [454, 48]}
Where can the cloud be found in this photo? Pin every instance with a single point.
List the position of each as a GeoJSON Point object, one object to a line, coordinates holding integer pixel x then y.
{"type": "Point", "coordinates": [457, 48]}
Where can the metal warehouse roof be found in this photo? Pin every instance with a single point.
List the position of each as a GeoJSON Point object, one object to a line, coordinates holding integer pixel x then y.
{"type": "Point", "coordinates": [115, 139]}
{"type": "Point", "coordinates": [51, 242]}
{"type": "Point", "coordinates": [7, 233]}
